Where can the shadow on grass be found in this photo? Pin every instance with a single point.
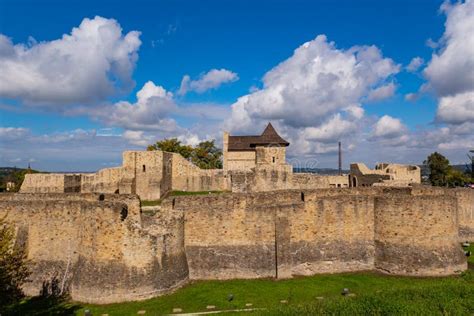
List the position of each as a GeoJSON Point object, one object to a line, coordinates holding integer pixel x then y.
{"type": "Point", "coordinates": [39, 306]}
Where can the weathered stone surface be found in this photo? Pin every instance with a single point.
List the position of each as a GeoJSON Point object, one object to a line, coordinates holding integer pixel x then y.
{"type": "Point", "coordinates": [103, 249]}
{"type": "Point", "coordinates": [86, 244]}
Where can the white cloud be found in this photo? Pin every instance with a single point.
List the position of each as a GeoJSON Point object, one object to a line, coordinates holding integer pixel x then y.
{"type": "Point", "coordinates": [383, 92]}
{"type": "Point", "coordinates": [330, 131]}
{"type": "Point", "coordinates": [210, 80]}
{"type": "Point", "coordinates": [136, 138]}
{"type": "Point", "coordinates": [314, 84]}
{"type": "Point", "coordinates": [314, 98]}
{"type": "Point", "coordinates": [456, 109]}
{"type": "Point", "coordinates": [415, 64]}
{"type": "Point", "coordinates": [150, 112]}
{"type": "Point", "coordinates": [451, 70]}
{"type": "Point", "coordinates": [388, 127]}
{"type": "Point", "coordinates": [13, 133]}
{"type": "Point", "coordinates": [88, 65]}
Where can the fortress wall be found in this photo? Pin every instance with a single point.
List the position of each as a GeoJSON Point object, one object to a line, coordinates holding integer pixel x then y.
{"type": "Point", "coordinates": [43, 183]}
{"type": "Point", "coordinates": [465, 199]}
{"type": "Point", "coordinates": [276, 234]}
{"type": "Point", "coordinates": [417, 234]}
{"type": "Point", "coordinates": [98, 250]}
{"type": "Point", "coordinates": [148, 166]}
{"type": "Point", "coordinates": [188, 177]}
{"type": "Point", "coordinates": [326, 235]}
{"type": "Point", "coordinates": [105, 181]}
{"type": "Point", "coordinates": [226, 239]}
{"type": "Point", "coordinates": [239, 160]}
{"type": "Point", "coordinates": [309, 180]}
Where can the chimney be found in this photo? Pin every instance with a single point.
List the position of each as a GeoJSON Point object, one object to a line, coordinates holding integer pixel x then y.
{"type": "Point", "coordinates": [340, 160]}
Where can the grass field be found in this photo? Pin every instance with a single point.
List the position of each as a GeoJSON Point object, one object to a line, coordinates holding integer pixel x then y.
{"type": "Point", "coordinates": [373, 294]}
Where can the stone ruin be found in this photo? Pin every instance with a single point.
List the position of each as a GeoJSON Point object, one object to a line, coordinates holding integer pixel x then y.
{"type": "Point", "coordinates": [90, 232]}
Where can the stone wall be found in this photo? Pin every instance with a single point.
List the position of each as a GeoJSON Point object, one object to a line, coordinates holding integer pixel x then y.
{"type": "Point", "coordinates": [186, 176]}
{"type": "Point", "coordinates": [240, 160]}
{"type": "Point", "coordinates": [43, 183]}
{"type": "Point", "coordinates": [384, 174]}
{"type": "Point", "coordinates": [465, 204]}
{"type": "Point", "coordinates": [287, 233]}
{"type": "Point", "coordinates": [417, 235]}
{"type": "Point", "coordinates": [96, 245]}
{"type": "Point", "coordinates": [105, 181]}
{"type": "Point", "coordinates": [105, 250]}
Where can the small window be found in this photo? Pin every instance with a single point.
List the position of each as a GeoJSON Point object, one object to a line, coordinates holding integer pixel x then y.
{"type": "Point", "coordinates": [273, 158]}
{"type": "Point", "coordinates": [144, 168]}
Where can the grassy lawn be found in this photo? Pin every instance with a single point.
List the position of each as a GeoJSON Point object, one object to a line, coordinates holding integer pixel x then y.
{"type": "Point", "coordinates": [374, 294]}
{"type": "Point", "coordinates": [151, 203]}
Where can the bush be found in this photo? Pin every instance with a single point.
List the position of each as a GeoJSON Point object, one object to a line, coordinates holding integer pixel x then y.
{"type": "Point", "coordinates": [13, 266]}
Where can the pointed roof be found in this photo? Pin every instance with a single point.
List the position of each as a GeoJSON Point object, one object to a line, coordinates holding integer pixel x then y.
{"type": "Point", "coordinates": [248, 143]}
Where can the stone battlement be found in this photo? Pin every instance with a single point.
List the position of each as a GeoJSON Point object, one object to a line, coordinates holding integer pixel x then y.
{"type": "Point", "coordinates": [105, 250]}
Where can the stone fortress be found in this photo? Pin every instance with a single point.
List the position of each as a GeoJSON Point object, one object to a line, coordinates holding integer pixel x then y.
{"type": "Point", "coordinates": [90, 232]}
{"type": "Point", "coordinates": [250, 164]}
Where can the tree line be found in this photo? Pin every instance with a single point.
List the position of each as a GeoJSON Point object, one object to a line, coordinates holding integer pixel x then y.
{"type": "Point", "coordinates": [205, 155]}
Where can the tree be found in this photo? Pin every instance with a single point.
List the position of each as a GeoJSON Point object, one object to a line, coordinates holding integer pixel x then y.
{"type": "Point", "coordinates": [456, 178]}
{"type": "Point", "coordinates": [439, 168]}
{"type": "Point", "coordinates": [13, 266]}
{"type": "Point", "coordinates": [205, 155]}
{"type": "Point", "coordinates": [442, 174]}
{"type": "Point", "coordinates": [172, 145]}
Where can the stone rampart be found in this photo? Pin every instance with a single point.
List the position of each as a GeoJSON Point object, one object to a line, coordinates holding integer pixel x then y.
{"type": "Point", "coordinates": [465, 205]}
{"type": "Point", "coordinates": [186, 176]}
{"type": "Point", "coordinates": [104, 249]}
{"type": "Point", "coordinates": [287, 233]}
{"type": "Point", "coordinates": [96, 246]}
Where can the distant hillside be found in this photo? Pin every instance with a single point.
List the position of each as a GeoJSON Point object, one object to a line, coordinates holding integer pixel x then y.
{"type": "Point", "coordinates": [12, 174]}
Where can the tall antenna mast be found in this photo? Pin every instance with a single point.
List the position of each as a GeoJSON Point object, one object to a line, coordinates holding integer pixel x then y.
{"type": "Point", "coordinates": [340, 159]}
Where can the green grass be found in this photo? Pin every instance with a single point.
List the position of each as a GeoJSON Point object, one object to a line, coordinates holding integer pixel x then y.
{"type": "Point", "coordinates": [151, 203]}
{"type": "Point", "coordinates": [375, 294]}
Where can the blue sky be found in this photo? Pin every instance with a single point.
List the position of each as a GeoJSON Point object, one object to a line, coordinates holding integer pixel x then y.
{"type": "Point", "coordinates": [56, 114]}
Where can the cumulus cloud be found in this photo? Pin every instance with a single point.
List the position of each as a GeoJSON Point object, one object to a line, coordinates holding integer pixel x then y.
{"type": "Point", "coordinates": [213, 79]}
{"type": "Point", "coordinates": [415, 64]}
{"type": "Point", "coordinates": [149, 112]}
{"type": "Point", "coordinates": [388, 127]}
{"type": "Point", "coordinates": [456, 109]}
{"type": "Point", "coordinates": [333, 129]}
{"type": "Point", "coordinates": [316, 96]}
{"type": "Point", "coordinates": [96, 60]}
{"type": "Point", "coordinates": [137, 138]}
{"type": "Point", "coordinates": [450, 71]}
{"type": "Point", "coordinates": [382, 92]}
{"type": "Point", "coordinates": [314, 84]}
